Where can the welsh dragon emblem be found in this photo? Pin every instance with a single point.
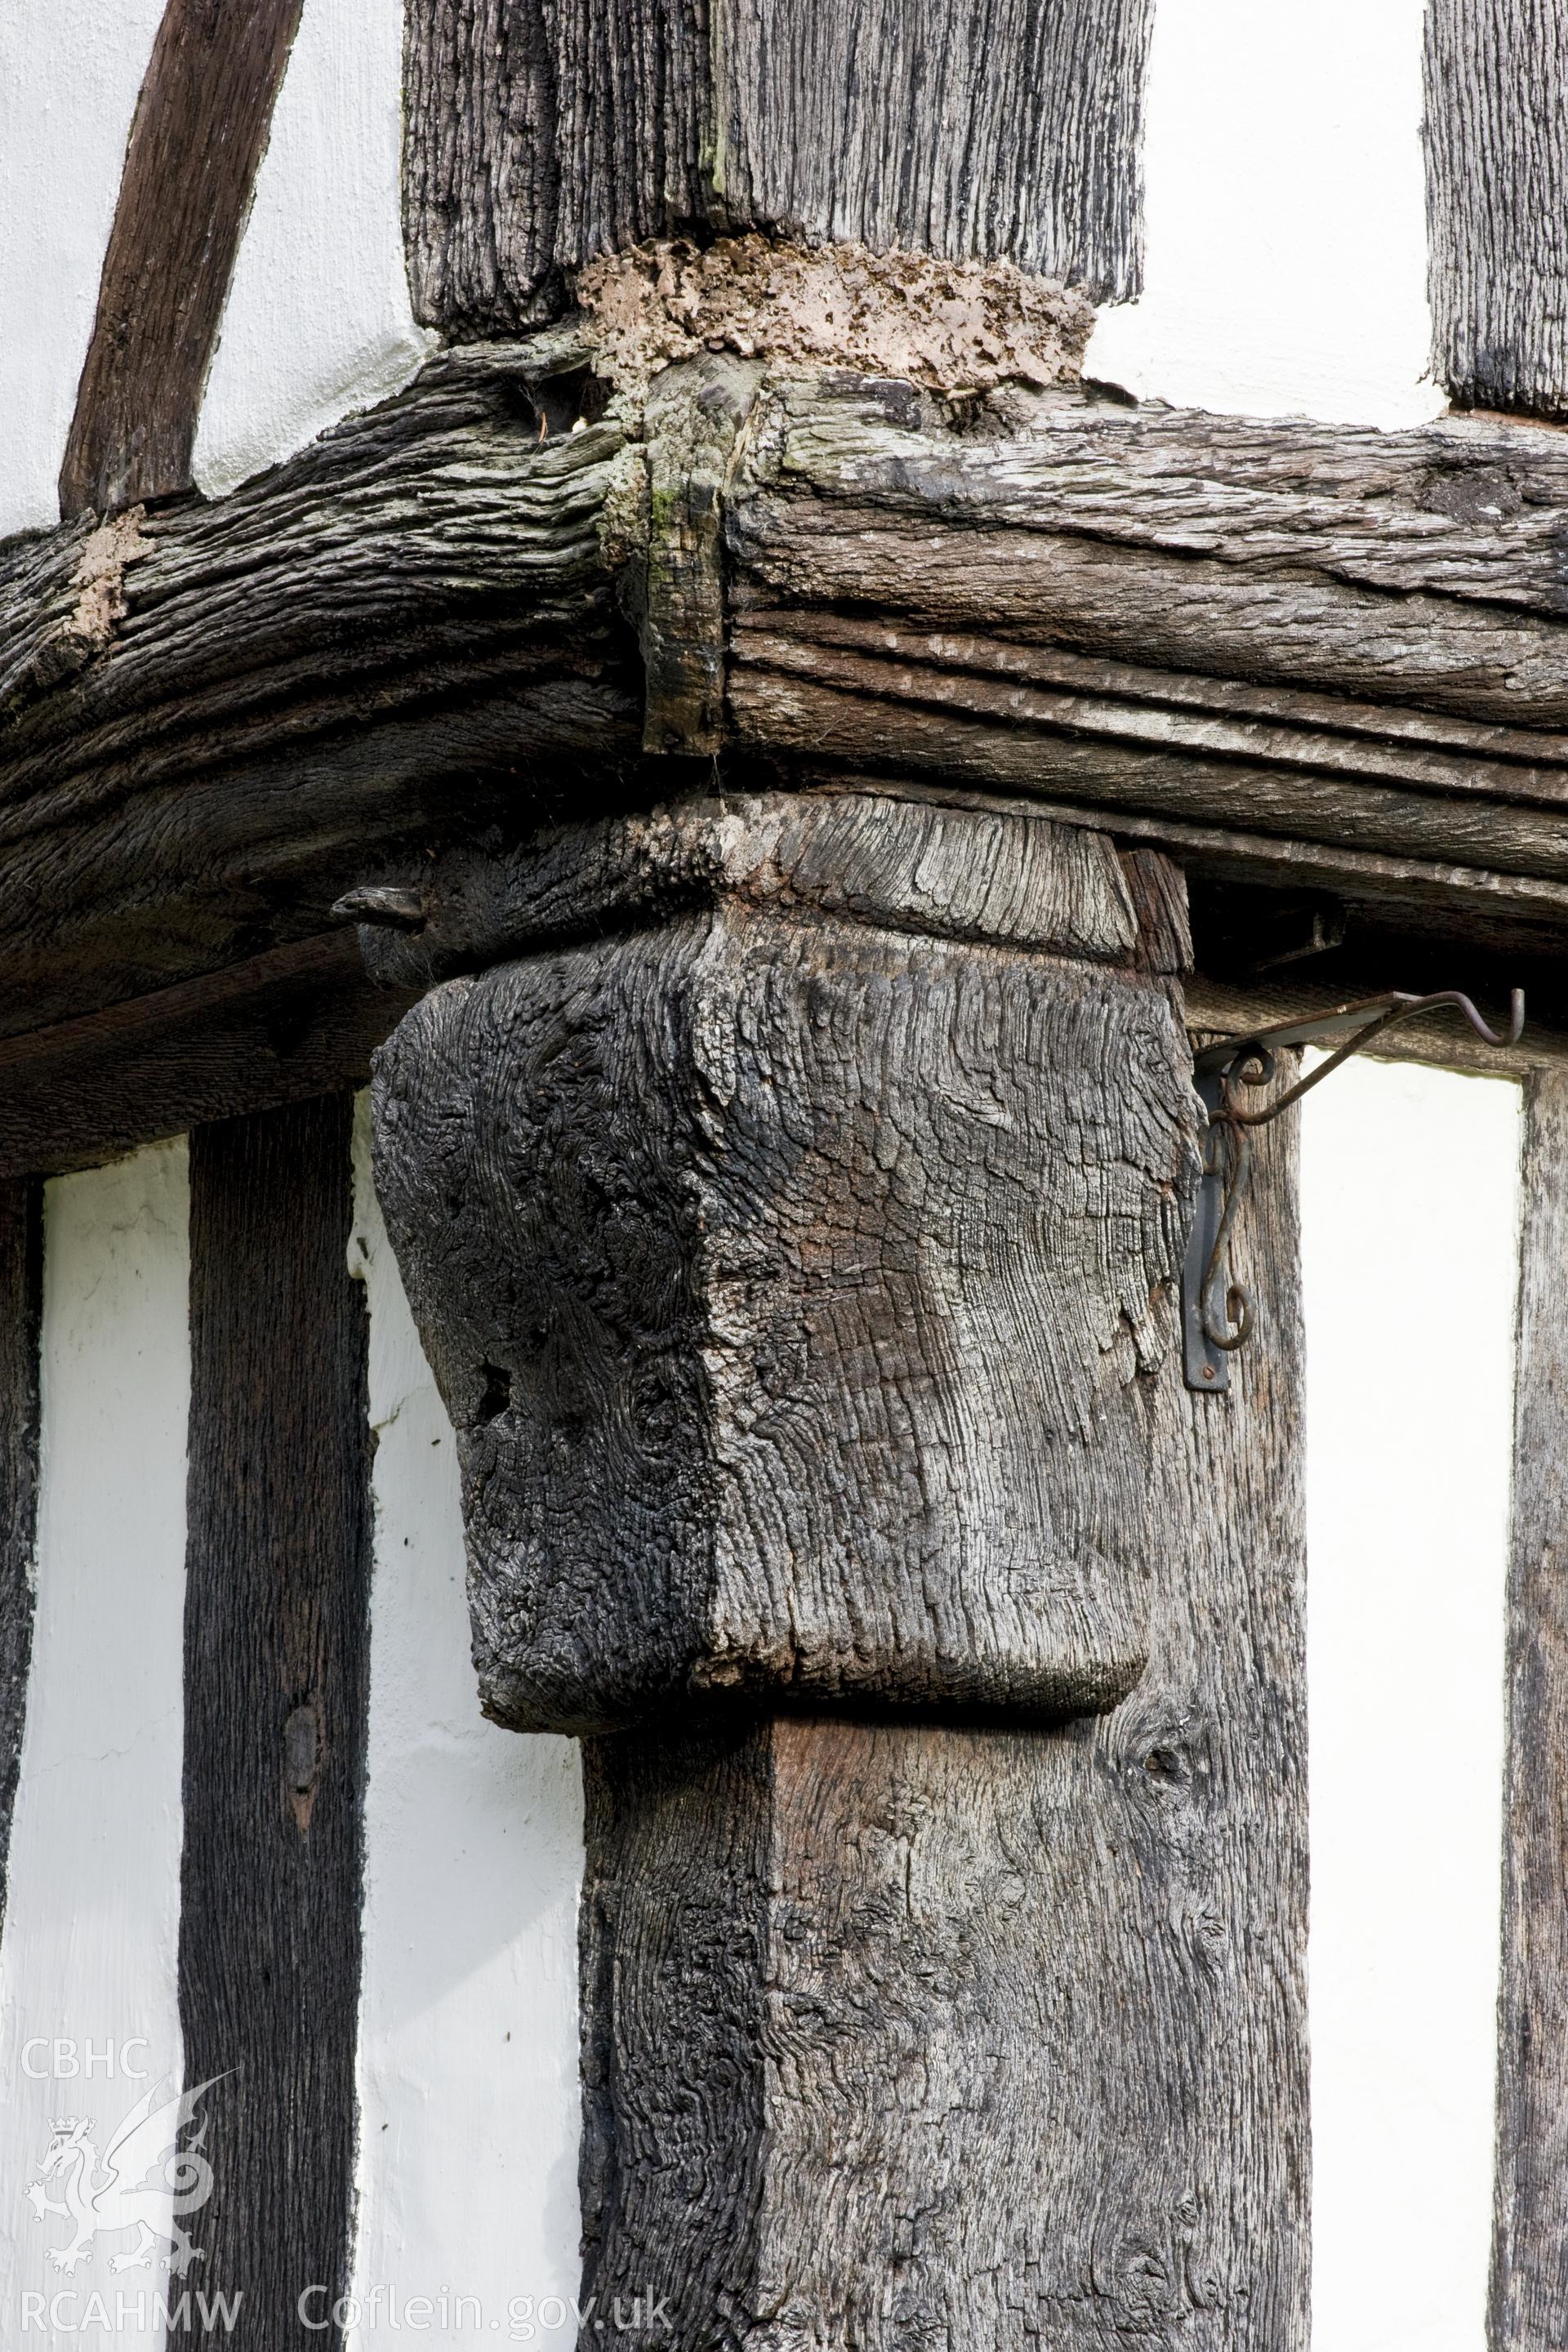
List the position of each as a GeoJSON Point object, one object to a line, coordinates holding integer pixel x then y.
{"type": "Point", "coordinates": [127, 2187]}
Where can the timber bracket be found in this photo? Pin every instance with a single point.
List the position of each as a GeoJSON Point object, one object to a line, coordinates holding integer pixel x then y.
{"type": "Point", "coordinates": [1216, 1310]}
{"type": "Point", "coordinates": [766, 1179]}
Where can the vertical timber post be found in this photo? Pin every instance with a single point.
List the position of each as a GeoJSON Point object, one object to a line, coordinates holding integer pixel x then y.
{"type": "Point", "coordinates": [788, 1192]}
{"type": "Point", "coordinates": [276, 1692]}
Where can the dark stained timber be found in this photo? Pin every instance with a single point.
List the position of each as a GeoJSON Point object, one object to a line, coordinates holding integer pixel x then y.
{"type": "Point", "coordinates": [200, 128]}
{"type": "Point", "coordinates": [276, 1664]}
{"type": "Point", "coordinates": [1496, 178]}
{"type": "Point", "coordinates": [540, 136]}
{"type": "Point", "coordinates": [214, 718]}
{"type": "Point", "coordinates": [903, 2034]}
{"type": "Point", "coordinates": [21, 1301]}
{"type": "Point", "coordinates": [1529, 2256]}
{"type": "Point", "coordinates": [277, 1028]}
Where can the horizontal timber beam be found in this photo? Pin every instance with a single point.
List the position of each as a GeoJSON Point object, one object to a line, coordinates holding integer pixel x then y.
{"type": "Point", "coordinates": [212, 714]}
{"type": "Point", "coordinates": [1327, 632]}
{"type": "Point", "coordinates": [1295, 655]}
{"type": "Point", "coordinates": [282, 1028]}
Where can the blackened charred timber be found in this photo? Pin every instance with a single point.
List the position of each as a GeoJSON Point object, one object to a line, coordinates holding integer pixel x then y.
{"type": "Point", "coordinates": [276, 1689]}
{"type": "Point", "coordinates": [698, 1180]}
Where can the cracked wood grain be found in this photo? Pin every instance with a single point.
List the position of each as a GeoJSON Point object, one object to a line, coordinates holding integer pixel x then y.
{"type": "Point", "coordinates": [1497, 167]}
{"type": "Point", "coordinates": [1340, 638]}
{"type": "Point", "coordinates": [794, 1263]}
{"type": "Point", "coordinates": [1530, 2254]}
{"type": "Point", "coordinates": [862, 857]}
{"type": "Point", "coordinates": [1422, 569]}
{"type": "Point", "coordinates": [1461, 905]}
{"type": "Point", "coordinates": [860, 712]}
{"type": "Point", "coordinates": [542, 135]}
{"type": "Point", "coordinates": [695, 426]}
{"type": "Point", "coordinates": [276, 1654]}
{"type": "Point", "coordinates": [920, 2033]}
{"type": "Point", "coordinates": [1332, 648]}
{"type": "Point", "coordinates": [195, 145]}
{"type": "Point", "coordinates": [213, 716]}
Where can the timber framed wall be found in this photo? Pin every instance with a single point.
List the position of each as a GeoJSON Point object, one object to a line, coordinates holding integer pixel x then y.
{"type": "Point", "coordinates": [388, 2112]}
{"type": "Point", "coordinates": [693, 699]}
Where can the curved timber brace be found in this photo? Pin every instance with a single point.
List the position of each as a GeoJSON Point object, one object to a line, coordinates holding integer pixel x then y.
{"type": "Point", "coordinates": [1217, 1312]}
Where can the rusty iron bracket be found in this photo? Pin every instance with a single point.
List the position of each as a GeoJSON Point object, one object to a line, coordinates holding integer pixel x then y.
{"type": "Point", "coordinates": [1216, 1310]}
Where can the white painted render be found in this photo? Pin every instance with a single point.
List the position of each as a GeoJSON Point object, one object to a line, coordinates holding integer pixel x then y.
{"type": "Point", "coordinates": [1286, 216]}
{"type": "Point", "coordinates": [468, 2055]}
{"type": "Point", "coordinates": [1410, 1247]}
{"type": "Point", "coordinates": [318, 322]}
{"type": "Point", "coordinates": [69, 74]}
{"type": "Point", "coordinates": [90, 1948]}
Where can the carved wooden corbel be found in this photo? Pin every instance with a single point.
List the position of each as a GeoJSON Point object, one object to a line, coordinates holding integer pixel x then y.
{"type": "Point", "coordinates": [789, 1219]}
{"type": "Point", "coordinates": [788, 1189]}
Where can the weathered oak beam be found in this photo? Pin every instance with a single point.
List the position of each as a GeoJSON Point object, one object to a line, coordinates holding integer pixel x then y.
{"type": "Point", "coordinates": [785, 1190]}
{"type": "Point", "coordinates": [1417, 570]}
{"type": "Point", "coordinates": [211, 716]}
{"type": "Point", "coordinates": [297, 1021]}
{"type": "Point", "coordinates": [1465, 905]}
{"type": "Point", "coordinates": [1295, 645]}
{"type": "Point", "coordinates": [1465, 510]}
{"type": "Point", "coordinates": [674, 1193]}
{"type": "Point", "coordinates": [1289, 647]}
{"type": "Point", "coordinates": [541, 136]}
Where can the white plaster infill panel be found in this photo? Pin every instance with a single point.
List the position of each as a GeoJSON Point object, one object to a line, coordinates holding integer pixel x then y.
{"type": "Point", "coordinates": [1286, 261]}
{"type": "Point", "coordinates": [70, 72]}
{"type": "Point", "coordinates": [88, 2017]}
{"type": "Point", "coordinates": [1410, 1205]}
{"type": "Point", "coordinates": [318, 323]}
{"type": "Point", "coordinates": [468, 2056]}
